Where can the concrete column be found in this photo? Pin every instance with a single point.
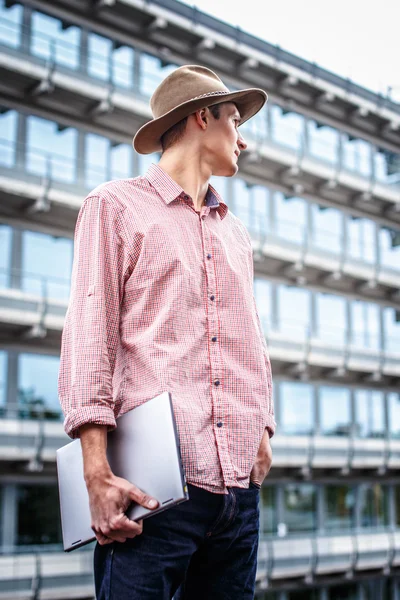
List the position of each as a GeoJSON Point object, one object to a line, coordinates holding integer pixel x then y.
{"type": "Point", "coordinates": [268, 116]}
{"type": "Point", "coordinates": [345, 235]}
{"type": "Point", "coordinates": [274, 306]}
{"type": "Point", "coordinates": [272, 210]}
{"type": "Point", "coordinates": [12, 383]}
{"type": "Point", "coordinates": [306, 136]}
{"type": "Point", "coordinates": [277, 403]}
{"type": "Point", "coordinates": [26, 30]}
{"type": "Point", "coordinates": [136, 71]}
{"type": "Point", "coordinates": [392, 507]}
{"type": "Point", "coordinates": [324, 594]}
{"type": "Point", "coordinates": [313, 314]}
{"type": "Point", "coordinates": [349, 323]}
{"type": "Point", "coordinates": [16, 259]}
{"type": "Point", "coordinates": [382, 341]}
{"type": "Point", "coordinates": [84, 51]}
{"type": "Point", "coordinates": [377, 241]}
{"type": "Point", "coordinates": [320, 490]}
{"type": "Point", "coordinates": [340, 146]}
{"type": "Point", "coordinates": [9, 516]}
{"type": "Point", "coordinates": [317, 409]}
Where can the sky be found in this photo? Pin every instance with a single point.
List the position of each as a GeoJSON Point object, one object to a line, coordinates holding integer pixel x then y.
{"type": "Point", "coordinates": [359, 39]}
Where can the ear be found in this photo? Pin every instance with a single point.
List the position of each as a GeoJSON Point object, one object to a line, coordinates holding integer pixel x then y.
{"type": "Point", "coordinates": [202, 117]}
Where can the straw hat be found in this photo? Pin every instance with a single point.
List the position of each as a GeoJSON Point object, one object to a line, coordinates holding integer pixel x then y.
{"type": "Point", "coordinates": [185, 90]}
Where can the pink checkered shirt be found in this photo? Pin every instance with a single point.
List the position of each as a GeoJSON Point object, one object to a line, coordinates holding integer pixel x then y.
{"type": "Point", "coordinates": [162, 300]}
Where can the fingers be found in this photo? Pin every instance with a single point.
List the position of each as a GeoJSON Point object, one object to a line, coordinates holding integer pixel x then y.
{"type": "Point", "coordinates": [118, 529]}
{"type": "Point", "coordinates": [141, 498]}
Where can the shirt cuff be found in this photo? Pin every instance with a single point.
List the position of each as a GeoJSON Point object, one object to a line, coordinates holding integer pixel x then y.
{"type": "Point", "coordinates": [97, 415]}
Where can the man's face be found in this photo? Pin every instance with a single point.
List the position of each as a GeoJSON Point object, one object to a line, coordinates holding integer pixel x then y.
{"type": "Point", "coordinates": [223, 141]}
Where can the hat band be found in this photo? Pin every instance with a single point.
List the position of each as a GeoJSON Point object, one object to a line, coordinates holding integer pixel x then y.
{"type": "Point", "coordinates": [220, 93]}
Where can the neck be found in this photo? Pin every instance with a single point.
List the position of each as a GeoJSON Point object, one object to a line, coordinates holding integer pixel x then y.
{"type": "Point", "coordinates": [185, 166]}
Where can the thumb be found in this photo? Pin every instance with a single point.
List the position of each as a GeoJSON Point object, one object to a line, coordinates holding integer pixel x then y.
{"type": "Point", "coordinates": [141, 498]}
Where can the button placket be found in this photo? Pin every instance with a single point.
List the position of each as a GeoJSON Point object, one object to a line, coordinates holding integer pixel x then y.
{"type": "Point", "coordinates": [216, 362]}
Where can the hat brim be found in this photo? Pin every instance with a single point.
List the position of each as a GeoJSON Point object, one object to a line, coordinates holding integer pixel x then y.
{"type": "Point", "coordinates": [248, 102]}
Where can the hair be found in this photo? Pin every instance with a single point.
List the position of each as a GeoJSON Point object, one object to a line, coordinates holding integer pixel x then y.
{"type": "Point", "coordinates": [175, 133]}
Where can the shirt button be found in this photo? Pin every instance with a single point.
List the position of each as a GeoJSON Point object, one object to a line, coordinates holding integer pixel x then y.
{"type": "Point", "coordinates": [219, 424]}
{"type": "Point", "coordinates": [185, 197]}
{"type": "Point", "coordinates": [208, 256]}
{"type": "Point", "coordinates": [212, 297]}
{"type": "Point", "coordinates": [214, 338]}
{"type": "Point", "coordinates": [217, 382]}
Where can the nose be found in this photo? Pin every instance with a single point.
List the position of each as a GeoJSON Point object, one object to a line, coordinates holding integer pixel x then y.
{"type": "Point", "coordinates": [241, 143]}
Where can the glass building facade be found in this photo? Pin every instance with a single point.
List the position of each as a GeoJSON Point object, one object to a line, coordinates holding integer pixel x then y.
{"type": "Point", "coordinates": [35, 265]}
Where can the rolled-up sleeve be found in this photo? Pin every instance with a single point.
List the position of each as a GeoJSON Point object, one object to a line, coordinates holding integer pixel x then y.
{"type": "Point", "coordinates": [90, 338]}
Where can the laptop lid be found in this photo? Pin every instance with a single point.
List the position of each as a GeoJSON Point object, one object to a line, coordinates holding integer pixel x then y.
{"type": "Point", "coordinates": [144, 449]}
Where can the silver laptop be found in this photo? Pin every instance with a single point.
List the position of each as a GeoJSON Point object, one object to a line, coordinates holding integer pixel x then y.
{"type": "Point", "coordinates": [144, 449]}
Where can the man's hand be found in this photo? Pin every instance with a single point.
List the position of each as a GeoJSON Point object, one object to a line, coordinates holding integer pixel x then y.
{"type": "Point", "coordinates": [109, 496]}
{"type": "Point", "coordinates": [263, 461]}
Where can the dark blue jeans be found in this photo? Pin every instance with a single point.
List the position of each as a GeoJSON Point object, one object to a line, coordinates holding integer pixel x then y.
{"type": "Point", "coordinates": [203, 549]}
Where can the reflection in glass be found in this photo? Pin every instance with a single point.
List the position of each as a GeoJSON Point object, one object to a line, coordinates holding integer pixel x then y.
{"type": "Point", "coordinates": [331, 318]}
{"type": "Point", "coordinates": [293, 311]}
{"type": "Point", "coordinates": [121, 161]}
{"type": "Point", "coordinates": [328, 228]}
{"type": "Point", "coordinates": [361, 239]}
{"type": "Point", "coordinates": [374, 505]}
{"type": "Point", "coordinates": [287, 128]}
{"type": "Point", "coordinates": [268, 510]}
{"type": "Point", "coordinates": [365, 324]}
{"type": "Point", "coordinates": [97, 160]}
{"type": "Point", "coordinates": [37, 386]}
{"type": "Point", "coordinates": [335, 410]}
{"type": "Point", "coordinates": [8, 129]}
{"type": "Point", "coordinates": [370, 413]}
{"type": "Point", "coordinates": [152, 72]}
{"type": "Point", "coordinates": [291, 214]}
{"type": "Point", "coordinates": [46, 265]}
{"type": "Point", "coordinates": [52, 41]}
{"type": "Point", "coordinates": [394, 414]}
{"type": "Point", "coordinates": [38, 515]}
{"type": "Point", "coordinates": [260, 199]}
{"type": "Point", "coordinates": [300, 507]}
{"type": "Point", "coordinates": [296, 408]}
{"type": "Point", "coordinates": [5, 246]}
{"type": "Point", "coordinates": [323, 142]}
{"type": "Point", "coordinates": [10, 24]}
{"type": "Point", "coordinates": [339, 507]}
{"type": "Point", "coordinates": [389, 241]}
{"type": "Point", "coordinates": [99, 57]}
{"type": "Point", "coordinates": [357, 156]}
{"type": "Point", "coordinates": [391, 320]}
{"type": "Point", "coordinates": [122, 65]}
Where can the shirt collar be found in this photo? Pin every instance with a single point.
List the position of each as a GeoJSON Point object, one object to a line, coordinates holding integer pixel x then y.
{"type": "Point", "coordinates": [169, 190]}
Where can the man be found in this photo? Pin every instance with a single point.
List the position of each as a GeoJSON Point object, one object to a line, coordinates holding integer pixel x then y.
{"type": "Point", "coordinates": [162, 299]}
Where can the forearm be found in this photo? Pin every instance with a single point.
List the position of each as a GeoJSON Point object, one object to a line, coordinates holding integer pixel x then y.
{"type": "Point", "coordinates": [94, 451]}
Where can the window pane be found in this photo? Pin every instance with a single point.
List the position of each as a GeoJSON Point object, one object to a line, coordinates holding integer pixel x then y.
{"type": "Point", "coordinates": [5, 251]}
{"type": "Point", "coordinates": [287, 128]}
{"type": "Point", "coordinates": [241, 195]}
{"type": "Point", "coordinates": [10, 25]}
{"type": "Point", "coordinates": [343, 592]}
{"type": "Point", "coordinates": [8, 128]}
{"type": "Point", "coordinates": [331, 318]}
{"type": "Point", "coordinates": [37, 385]}
{"type": "Point", "coordinates": [374, 505]}
{"type": "Point", "coordinates": [394, 414]}
{"type": "Point", "coordinates": [391, 319]}
{"type": "Point", "coordinates": [99, 59]}
{"type": "Point", "coordinates": [123, 58]}
{"type": "Point", "coordinates": [121, 161]}
{"type": "Point", "coordinates": [260, 199]}
{"type": "Point", "coordinates": [361, 239]}
{"type": "Point", "coordinates": [335, 411]}
{"type": "Point", "coordinates": [291, 218]}
{"type": "Point", "coordinates": [146, 160]}
{"type": "Point", "coordinates": [300, 507]}
{"type": "Point", "coordinates": [293, 311]}
{"type": "Point", "coordinates": [38, 515]}
{"type": "Point", "coordinates": [59, 163]}
{"type": "Point", "coordinates": [3, 383]}
{"type": "Point", "coordinates": [323, 142]}
{"type": "Point", "coordinates": [46, 265]}
{"type": "Point", "coordinates": [397, 503]}
{"type": "Point", "coordinates": [328, 233]}
{"type": "Point", "coordinates": [296, 408]}
{"type": "Point", "coordinates": [268, 510]}
{"type": "Point", "coordinates": [390, 250]}
{"type": "Point", "coordinates": [370, 416]}
{"type": "Point", "coordinates": [339, 507]}
{"type": "Point", "coordinates": [303, 595]}
{"type": "Point", "coordinates": [51, 41]}
{"type": "Point", "coordinates": [376, 588]}
{"type": "Point", "coordinates": [365, 324]}
{"type": "Point", "coordinates": [96, 159]}
{"type": "Point", "coordinates": [262, 293]}
{"type": "Point", "coordinates": [152, 72]}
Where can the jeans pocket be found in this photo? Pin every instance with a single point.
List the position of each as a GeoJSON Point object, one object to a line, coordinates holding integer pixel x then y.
{"type": "Point", "coordinates": [254, 486]}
